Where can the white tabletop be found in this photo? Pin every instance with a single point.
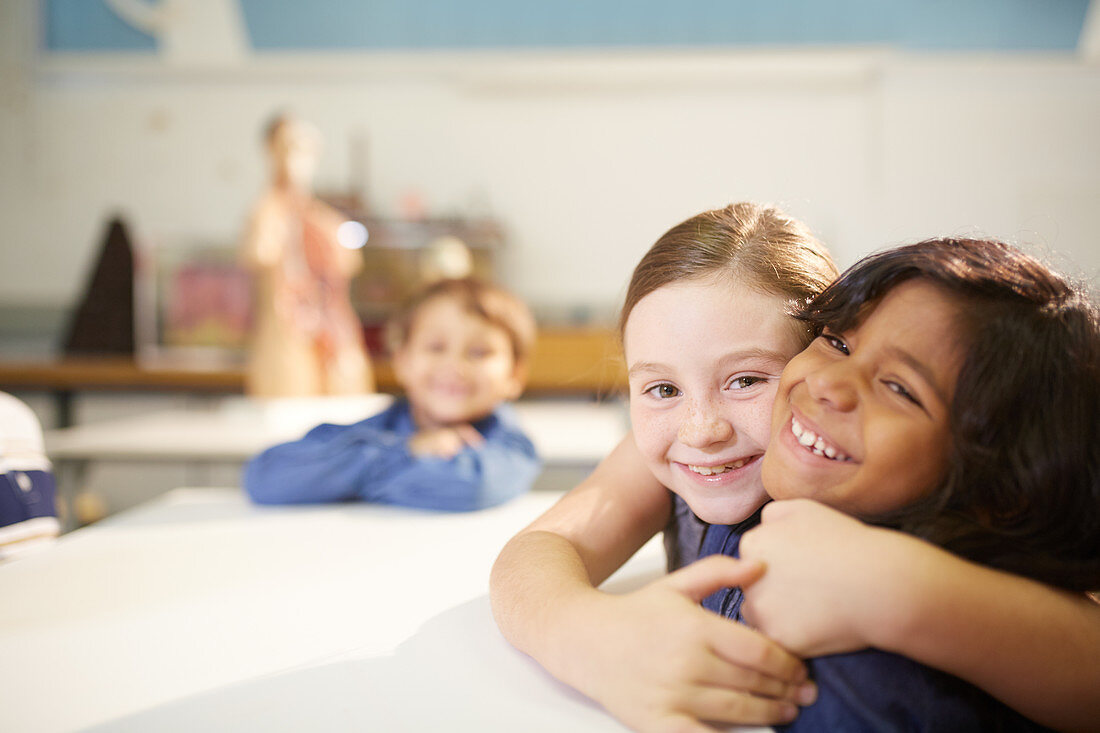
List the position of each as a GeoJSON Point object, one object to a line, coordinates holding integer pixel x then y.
{"type": "Point", "coordinates": [199, 611]}
{"type": "Point", "coordinates": [565, 432]}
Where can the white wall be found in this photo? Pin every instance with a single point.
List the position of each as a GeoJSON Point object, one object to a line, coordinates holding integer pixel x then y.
{"type": "Point", "coordinates": [586, 158]}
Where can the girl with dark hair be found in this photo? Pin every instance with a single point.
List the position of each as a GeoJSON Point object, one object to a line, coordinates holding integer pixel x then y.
{"type": "Point", "coordinates": [707, 330]}
{"type": "Point", "coordinates": [953, 392]}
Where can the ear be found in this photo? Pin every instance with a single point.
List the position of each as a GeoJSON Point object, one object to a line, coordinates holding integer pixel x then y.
{"type": "Point", "coordinates": [517, 381]}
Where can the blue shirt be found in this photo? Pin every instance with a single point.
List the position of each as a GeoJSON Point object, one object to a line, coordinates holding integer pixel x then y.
{"type": "Point", "coordinates": [370, 461]}
{"type": "Point", "coordinates": [873, 690]}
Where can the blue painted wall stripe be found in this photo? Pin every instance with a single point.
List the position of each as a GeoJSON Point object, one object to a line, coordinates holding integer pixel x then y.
{"type": "Point", "coordinates": [278, 25]}
{"type": "Point", "coordinates": [88, 25]}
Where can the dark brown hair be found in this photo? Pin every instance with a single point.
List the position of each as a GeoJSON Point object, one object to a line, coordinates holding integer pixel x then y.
{"type": "Point", "coordinates": [1022, 485]}
{"type": "Point", "coordinates": [757, 243]}
{"type": "Point", "coordinates": [496, 305]}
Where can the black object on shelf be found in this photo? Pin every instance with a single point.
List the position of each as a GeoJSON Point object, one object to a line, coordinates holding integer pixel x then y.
{"type": "Point", "coordinates": [103, 322]}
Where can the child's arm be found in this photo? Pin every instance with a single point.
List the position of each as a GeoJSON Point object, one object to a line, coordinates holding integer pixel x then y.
{"type": "Point", "coordinates": [329, 464]}
{"type": "Point", "coordinates": [367, 461]}
{"type": "Point", "coordinates": [653, 657]}
{"type": "Point", "coordinates": [474, 472]}
{"type": "Point", "coordinates": [834, 584]}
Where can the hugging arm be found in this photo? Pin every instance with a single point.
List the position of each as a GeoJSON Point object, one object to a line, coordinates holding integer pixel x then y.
{"type": "Point", "coordinates": [834, 584]}
{"type": "Point", "coordinates": [698, 667]}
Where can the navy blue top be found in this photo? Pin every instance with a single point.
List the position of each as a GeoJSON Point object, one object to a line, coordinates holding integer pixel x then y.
{"type": "Point", "coordinates": [370, 461]}
{"type": "Point", "coordinates": [25, 495]}
{"type": "Point", "coordinates": [873, 690]}
{"type": "Point", "coordinates": [683, 534]}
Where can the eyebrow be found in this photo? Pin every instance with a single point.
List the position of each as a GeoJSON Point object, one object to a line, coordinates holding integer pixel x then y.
{"type": "Point", "coordinates": [922, 369]}
{"type": "Point", "coordinates": [736, 356]}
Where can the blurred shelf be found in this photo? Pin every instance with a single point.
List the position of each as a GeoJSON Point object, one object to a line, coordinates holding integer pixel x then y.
{"type": "Point", "coordinates": [113, 373]}
{"type": "Point", "coordinates": [566, 362]}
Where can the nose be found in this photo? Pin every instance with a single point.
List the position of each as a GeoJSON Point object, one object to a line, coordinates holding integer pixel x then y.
{"type": "Point", "coordinates": [458, 365]}
{"type": "Point", "coordinates": [445, 365]}
{"type": "Point", "coordinates": [834, 385]}
{"type": "Point", "coordinates": [704, 425]}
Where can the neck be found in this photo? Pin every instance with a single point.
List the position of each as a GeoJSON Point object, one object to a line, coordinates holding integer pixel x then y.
{"type": "Point", "coordinates": [285, 183]}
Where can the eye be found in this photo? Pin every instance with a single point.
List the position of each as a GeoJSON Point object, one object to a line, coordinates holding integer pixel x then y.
{"type": "Point", "coordinates": [480, 352]}
{"type": "Point", "coordinates": [902, 391]}
{"type": "Point", "coordinates": [436, 346]}
{"type": "Point", "coordinates": [745, 382]}
{"type": "Point", "coordinates": [663, 391]}
{"type": "Point", "coordinates": [836, 342]}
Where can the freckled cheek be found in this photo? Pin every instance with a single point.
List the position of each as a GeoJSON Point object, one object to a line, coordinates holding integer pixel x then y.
{"type": "Point", "coordinates": [653, 433]}
{"type": "Point", "coordinates": [753, 420]}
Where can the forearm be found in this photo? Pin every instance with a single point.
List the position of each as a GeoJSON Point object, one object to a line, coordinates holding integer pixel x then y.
{"type": "Point", "coordinates": [539, 589]}
{"type": "Point", "coordinates": [834, 585]}
{"type": "Point", "coordinates": [501, 469]}
{"type": "Point", "coordinates": [475, 478]}
{"type": "Point", "coordinates": [545, 577]}
{"type": "Point", "coordinates": [278, 478]}
{"type": "Point", "coordinates": [329, 464]}
{"type": "Point", "coordinates": [652, 657]}
{"type": "Point", "coordinates": [1035, 648]}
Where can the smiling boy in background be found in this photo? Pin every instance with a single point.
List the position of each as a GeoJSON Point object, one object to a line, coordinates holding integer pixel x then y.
{"type": "Point", "coordinates": [462, 349]}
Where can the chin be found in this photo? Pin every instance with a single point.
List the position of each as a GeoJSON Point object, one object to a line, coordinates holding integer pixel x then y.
{"type": "Point", "coordinates": [453, 415]}
{"type": "Point", "coordinates": [729, 510]}
{"type": "Point", "coordinates": [771, 473]}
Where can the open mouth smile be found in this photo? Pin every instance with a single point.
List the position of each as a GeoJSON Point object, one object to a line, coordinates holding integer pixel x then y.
{"type": "Point", "coordinates": [715, 470]}
{"type": "Point", "coordinates": [452, 390]}
{"type": "Point", "coordinates": [815, 443]}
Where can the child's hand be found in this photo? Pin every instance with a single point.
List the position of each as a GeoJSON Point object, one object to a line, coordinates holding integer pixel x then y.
{"type": "Point", "coordinates": [827, 576]}
{"type": "Point", "coordinates": [662, 662]}
{"type": "Point", "coordinates": [445, 442]}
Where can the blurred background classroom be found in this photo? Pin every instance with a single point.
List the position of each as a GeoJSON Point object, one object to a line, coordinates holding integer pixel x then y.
{"type": "Point", "coordinates": [554, 141]}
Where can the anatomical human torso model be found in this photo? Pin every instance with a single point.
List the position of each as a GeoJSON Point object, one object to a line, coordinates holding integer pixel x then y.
{"type": "Point", "coordinates": [307, 338]}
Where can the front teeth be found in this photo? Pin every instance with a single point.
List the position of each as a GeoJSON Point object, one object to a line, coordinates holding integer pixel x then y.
{"type": "Point", "coordinates": [714, 470]}
{"type": "Point", "coordinates": [815, 443]}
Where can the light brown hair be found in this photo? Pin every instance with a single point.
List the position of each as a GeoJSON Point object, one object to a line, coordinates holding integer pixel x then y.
{"type": "Point", "coordinates": [756, 243]}
{"type": "Point", "coordinates": [477, 297]}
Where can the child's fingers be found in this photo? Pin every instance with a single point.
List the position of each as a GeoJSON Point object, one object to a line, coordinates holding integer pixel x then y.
{"type": "Point", "coordinates": [701, 578]}
{"type": "Point", "coordinates": [444, 443]}
{"type": "Point", "coordinates": [722, 673]}
{"type": "Point", "coordinates": [775, 511]}
{"type": "Point", "coordinates": [469, 435]}
{"type": "Point", "coordinates": [730, 706]}
{"type": "Point", "coordinates": [737, 644]}
{"type": "Point", "coordinates": [449, 449]}
{"type": "Point", "coordinates": [744, 647]}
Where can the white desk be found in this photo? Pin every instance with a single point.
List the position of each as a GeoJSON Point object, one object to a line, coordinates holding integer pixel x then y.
{"type": "Point", "coordinates": [202, 612]}
{"type": "Point", "coordinates": [565, 432]}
